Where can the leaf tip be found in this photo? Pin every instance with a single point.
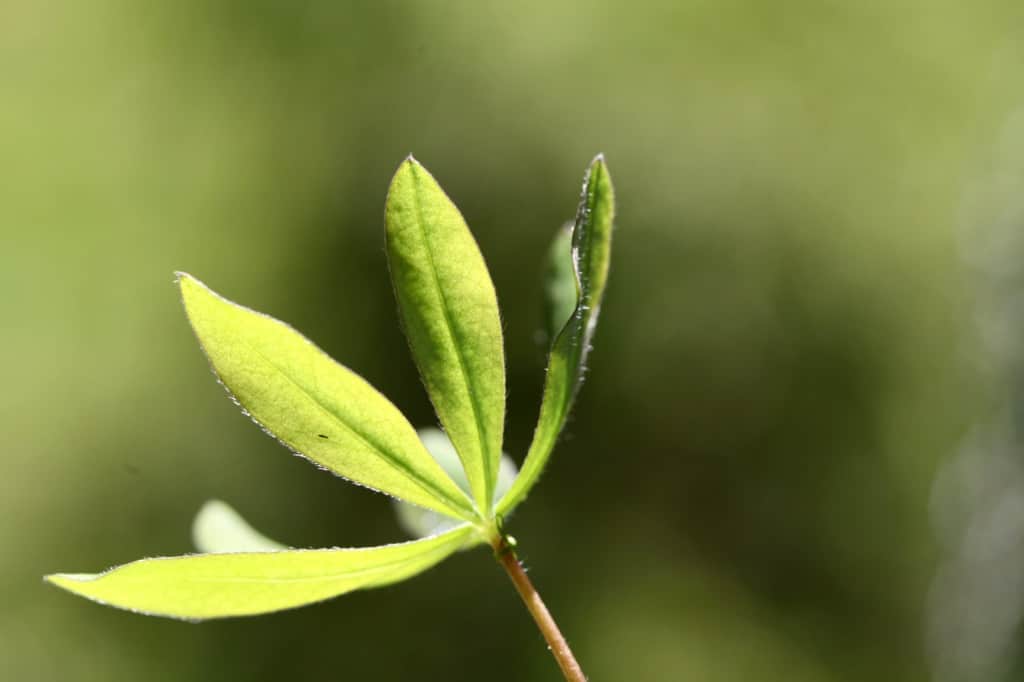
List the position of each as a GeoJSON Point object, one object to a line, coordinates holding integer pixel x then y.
{"type": "Point", "coordinates": [409, 164]}
{"type": "Point", "coordinates": [67, 580]}
{"type": "Point", "coordinates": [598, 164]}
{"type": "Point", "coordinates": [211, 510]}
{"type": "Point", "coordinates": [405, 169]}
{"type": "Point", "coordinates": [182, 278]}
{"type": "Point", "coordinates": [186, 281]}
{"type": "Point", "coordinates": [192, 290]}
{"type": "Point", "coordinates": [599, 177]}
{"type": "Point", "coordinates": [212, 505]}
{"type": "Point", "coordinates": [218, 528]}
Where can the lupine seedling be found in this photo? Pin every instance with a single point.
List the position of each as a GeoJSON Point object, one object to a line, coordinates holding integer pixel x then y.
{"type": "Point", "coordinates": [452, 488]}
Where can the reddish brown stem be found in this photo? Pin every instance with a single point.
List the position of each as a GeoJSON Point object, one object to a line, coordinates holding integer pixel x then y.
{"type": "Point", "coordinates": [559, 648]}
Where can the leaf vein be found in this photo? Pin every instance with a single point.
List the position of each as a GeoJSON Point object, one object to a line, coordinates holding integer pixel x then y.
{"type": "Point", "coordinates": [471, 388]}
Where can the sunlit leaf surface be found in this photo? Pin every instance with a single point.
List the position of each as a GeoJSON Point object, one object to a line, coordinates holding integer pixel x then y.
{"type": "Point", "coordinates": [315, 406]}
{"type": "Point", "coordinates": [450, 315]}
{"type": "Point", "coordinates": [204, 586]}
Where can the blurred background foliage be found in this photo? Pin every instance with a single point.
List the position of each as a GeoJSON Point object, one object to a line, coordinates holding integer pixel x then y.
{"type": "Point", "coordinates": [790, 347]}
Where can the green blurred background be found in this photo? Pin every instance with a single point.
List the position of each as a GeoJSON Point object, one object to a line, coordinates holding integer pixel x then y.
{"type": "Point", "coordinates": [790, 349]}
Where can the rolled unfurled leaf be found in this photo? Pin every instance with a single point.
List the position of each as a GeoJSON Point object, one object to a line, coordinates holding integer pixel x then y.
{"type": "Point", "coordinates": [204, 586]}
{"type": "Point", "coordinates": [589, 258]}
{"type": "Point", "coordinates": [315, 406]}
{"type": "Point", "coordinates": [450, 315]}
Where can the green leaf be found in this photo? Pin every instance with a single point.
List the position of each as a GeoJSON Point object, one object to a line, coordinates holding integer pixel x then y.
{"type": "Point", "coordinates": [419, 522]}
{"type": "Point", "coordinates": [591, 251]}
{"type": "Point", "coordinates": [204, 586]}
{"type": "Point", "coordinates": [450, 315]}
{"type": "Point", "coordinates": [219, 528]}
{"type": "Point", "coordinates": [316, 407]}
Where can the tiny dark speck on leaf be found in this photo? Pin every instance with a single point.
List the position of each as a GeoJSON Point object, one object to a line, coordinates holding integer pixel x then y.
{"type": "Point", "coordinates": [322, 436]}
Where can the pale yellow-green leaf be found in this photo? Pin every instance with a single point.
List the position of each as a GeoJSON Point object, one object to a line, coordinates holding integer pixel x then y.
{"type": "Point", "coordinates": [204, 586]}
{"type": "Point", "coordinates": [450, 315]}
{"type": "Point", "coordinates": [315, 406]}
{"type": "Point", "coordinates": [219, 528]}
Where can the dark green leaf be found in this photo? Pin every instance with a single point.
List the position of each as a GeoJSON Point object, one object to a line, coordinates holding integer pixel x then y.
{"type": "Point", "coordinates": [590, 254]}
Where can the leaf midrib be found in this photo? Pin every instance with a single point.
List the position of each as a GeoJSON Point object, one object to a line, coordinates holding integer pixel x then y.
{"type": "Point", "coordinates": [389, 565]}
{"type": "Point", "coordinates": [579, 323]}
{"type": "Point", "coordinates": [470, 386]}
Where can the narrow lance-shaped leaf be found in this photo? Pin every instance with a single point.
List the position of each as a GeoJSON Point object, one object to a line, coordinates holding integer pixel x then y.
{"type": "Point", "coordinates": [203, 586]}
{"type": "Point", "coordinates": [450, 315]}
{"type": "Point", "coordinates": [219, 528]}
{"type": "Point", "coordinates": [315, 406]}
{"type": "Point", "coordinates": [591, 250]}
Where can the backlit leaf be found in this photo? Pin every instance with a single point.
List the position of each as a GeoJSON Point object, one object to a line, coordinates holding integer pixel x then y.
{"type": "Point", "coordinates": [450, 315]}
{"type": "Point", "coordinates": [203, 586]}
{"type": "Point", "coordinates": [315, 406]}
{"type": "Point", "coordinates": [590, 254]}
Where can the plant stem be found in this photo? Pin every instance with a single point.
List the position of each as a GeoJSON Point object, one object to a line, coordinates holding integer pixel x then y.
{"type": "Point", "coordinates": [506, 556]}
